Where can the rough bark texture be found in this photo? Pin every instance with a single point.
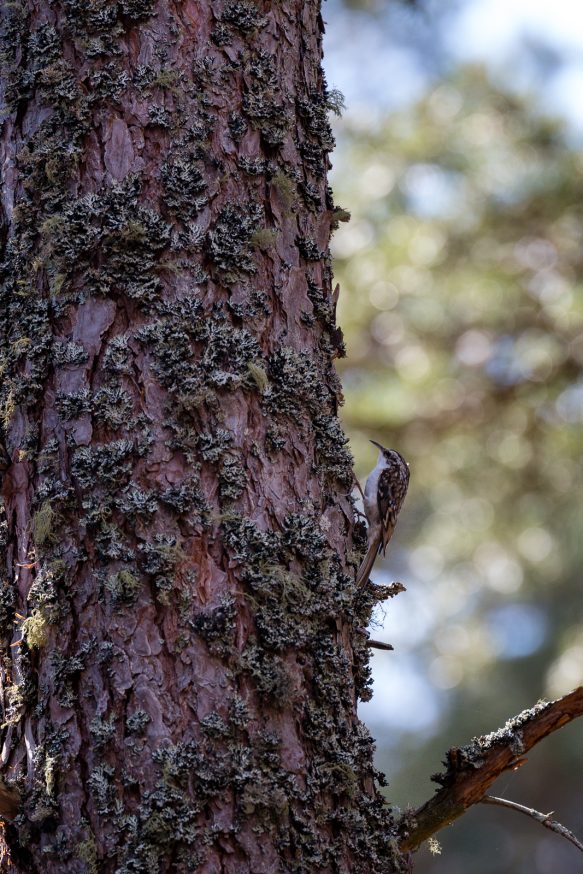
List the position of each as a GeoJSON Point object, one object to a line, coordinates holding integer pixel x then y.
{"type": "Point", "coordinates": [178, 548]}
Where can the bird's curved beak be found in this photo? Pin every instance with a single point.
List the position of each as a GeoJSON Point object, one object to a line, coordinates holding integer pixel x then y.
{"type": "Point", "coordinates": [378, 445]}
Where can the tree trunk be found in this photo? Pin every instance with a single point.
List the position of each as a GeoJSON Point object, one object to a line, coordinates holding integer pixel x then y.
{"type": "Point", "coordinates": [179, 624]}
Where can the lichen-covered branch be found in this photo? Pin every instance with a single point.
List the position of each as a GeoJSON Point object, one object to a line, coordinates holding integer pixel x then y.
{"type": "Point", "coordinates": [472, 769]}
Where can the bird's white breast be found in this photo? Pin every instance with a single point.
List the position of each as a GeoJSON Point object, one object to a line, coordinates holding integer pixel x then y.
{"type": "Point", "coordinates": [371, 491]}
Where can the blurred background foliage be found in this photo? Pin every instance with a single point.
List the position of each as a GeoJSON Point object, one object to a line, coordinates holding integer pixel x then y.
{"type": "Point", "coordinates": [461, 277]}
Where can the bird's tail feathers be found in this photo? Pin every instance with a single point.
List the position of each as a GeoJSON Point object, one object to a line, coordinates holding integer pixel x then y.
{"type": "Point", "coordinates": [368, 562]}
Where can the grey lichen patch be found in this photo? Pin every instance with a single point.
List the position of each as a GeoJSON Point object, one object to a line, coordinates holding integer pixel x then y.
{"type": "Point", "coordinates": [195, 354]}
{"type": "Point", "coordinates": [159, 559]}
{"type": "Point", "coordinates": [229, 243]}
{"type": "Point", "coordinates": [237, 126]}
{"type": "Point", "coordinates": [264, 104]}
{"type": "Point", "coordinates": [102, 22]}
{"type": "Point", "coordinates": [288, 608]}
{"type": "Point", "coordinates": [169, 340]}
{"type": "Point", "coordinates": [185, 186]}
{"type": "Point", "coordinates": [251, 310]}
{"type": "Point", "coordinates": [159, 116]}
{"type": "Point", "coordinates": [213, 725]}
{"type": "Point", "coordinates": [7, 606]}
{"type": "Point", "coordinates": [69, 354]}
{"type": "Point", "coordinates": [311, 195]}
{"type": "Point", "coordinates": [217, 626]}
{"type": "Point", "coordinates": [309, 249]}
{"type": "Point", "coordinates": [137, 10]}
{"type": "Point", "coordinates": [148, 78]}
{"type": "Point", "coordinates": [302, 535]}
{"type": "Point", "coordinates": [108, 464]}
{"type": "Point", "coordinates": [166, 820]}
{"type": "Point", "coordinates": [313, 110]}
{"type": "Point", "coordinates": [232, 478]}
{"type": "Point", "coordinates": [44, 47]}
{"type": "Point", "coordinates": [252, 166]}
{"type": "Point", "coordinates": [269, 674]}
{"type": "Point", "coordinates": [44, 595]}
{"type": "Point", "coordinates": [334, 458]}
{"type": "Point", "coordinates": [135, 502]}
{"type": "Point", "coordinates": [275, 439]}
{"type": "Point", "coordinates": [268, 113]}
{"type": "Point", "coordinates": [118, 355]}
{"type": "Point", "coordinates": [232, 346]}
{"type": "Point", "coordinates": [65, 670]}
{"type": "Point", "coordinates": [102, 731]}
{"type": "Point", "coordinates": [297, 387]}
{"type": "Point", "coordinates": [248, 544]}
{"type": "Point", "coordinates": [222, 34]}
{"type": "Point", "coordinates": [187, 498]}
{"type": "Point", "coordinates": [243, 16]}
{"type": "Point", "coordinates": [110, 81]}
{"type": "Point", "coordinates": [322, 305]}
{"type": "Point", "coordinates": [111, 543]}
{"type": "Point", "coordinates": [127, 236]}
{"type": "Point", "coordinates": [137, 722]}
{"type": "Point", "coordinates": [296, 384]}
{"type": "Point", "coordinates": [102, 788]}
{"type": "Point", "coordinates": [213, 445]}
{"type": "Point", "coordinates": [314, 158]}
{"type": "Point", "coordinates": [195, 774]}
{"type": "Point", "coordinates": [112, 407]}
{"type": "Point", "coordinates": [74, 404]}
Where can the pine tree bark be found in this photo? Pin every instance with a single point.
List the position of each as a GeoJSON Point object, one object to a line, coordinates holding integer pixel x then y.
{"type": "Point", "coordinates": [179, 623]}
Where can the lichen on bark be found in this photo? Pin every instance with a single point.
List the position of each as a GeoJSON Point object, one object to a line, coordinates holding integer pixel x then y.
{"type": "Point", "coordinates": [178, 527]}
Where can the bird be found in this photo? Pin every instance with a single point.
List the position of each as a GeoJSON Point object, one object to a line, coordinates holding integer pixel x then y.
{"type": "Point", "coordinates": [384, 493]}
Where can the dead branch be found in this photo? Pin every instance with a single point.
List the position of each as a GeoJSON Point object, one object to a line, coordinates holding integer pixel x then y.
{"type": "Point", "coordinates": [543, 818]}
{"type": "Point", "coordinates": [383, 593]}
{"type": "Point", "coordinates": [379, 644]}
{"type": "Point", "coordinates": [472, 769]}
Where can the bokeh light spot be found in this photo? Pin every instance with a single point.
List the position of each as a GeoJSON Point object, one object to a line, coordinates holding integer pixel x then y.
{"type": "Point", "coordinates": [535, 544]}
{"type": "Point", "coordinates": [517, 629]}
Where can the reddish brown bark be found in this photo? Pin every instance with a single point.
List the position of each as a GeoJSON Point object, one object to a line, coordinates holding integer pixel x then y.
{"type": "Point", "coordinates": [178, 538]}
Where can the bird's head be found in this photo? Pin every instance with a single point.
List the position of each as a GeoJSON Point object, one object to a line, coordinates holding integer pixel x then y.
{"type": "Point", "coordinates": [393, 458]}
